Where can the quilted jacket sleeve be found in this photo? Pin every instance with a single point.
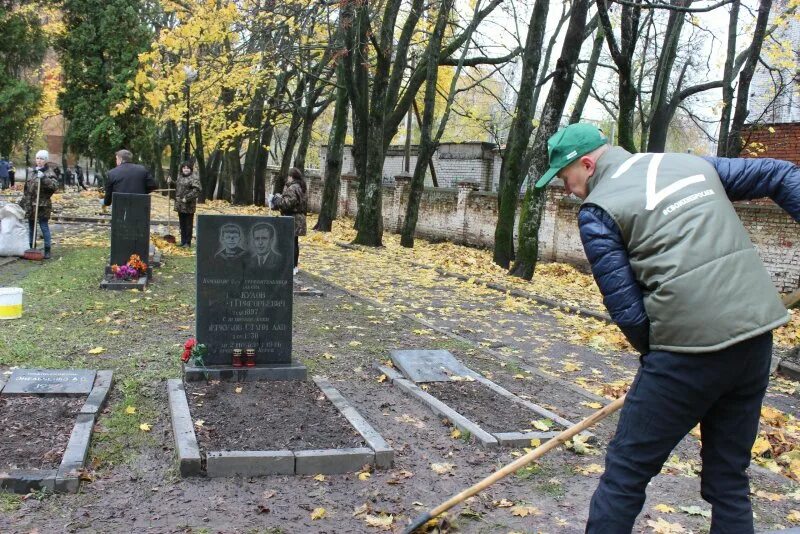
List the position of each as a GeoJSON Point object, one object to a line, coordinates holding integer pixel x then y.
{"type": "Point", "coordinates": [747, 179]}
{"type": "Point", "coordinates": [622, 296]}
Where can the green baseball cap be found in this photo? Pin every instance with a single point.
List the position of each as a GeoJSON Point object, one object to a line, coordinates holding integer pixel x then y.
{"type": "Point", "coordinates": [567, 145]}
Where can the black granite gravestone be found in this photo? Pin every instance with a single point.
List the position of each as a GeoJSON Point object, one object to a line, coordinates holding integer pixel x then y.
{"type": "Point", "coordinates": [52, 381]}
{"type": "Point", "coordinates": [130, 227]}
{"type": "Point", "coordinates": [244, 287]}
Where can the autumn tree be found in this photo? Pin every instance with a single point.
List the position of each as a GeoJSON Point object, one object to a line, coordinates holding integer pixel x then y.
{"type": "Point", "coordinates": [99, 62]}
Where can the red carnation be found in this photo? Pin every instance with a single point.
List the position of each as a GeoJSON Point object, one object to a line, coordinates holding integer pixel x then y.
{"type": "Point", "coordinates": [186, 355]}
{"type": "Point", "coordinates": [190, 343]}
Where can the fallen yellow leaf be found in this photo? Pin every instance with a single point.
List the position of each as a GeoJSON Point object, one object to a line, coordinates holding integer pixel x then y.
{"type": "Point", "coordinates": [665, 508]}
{"type": "Point", "coordinates": [238, 390]}
{"type": "Point", "coordinates": [354, 343]}
{"type": "Point", "coordinates": [503, 503]}
{"type": "Point", "coordinates": [130, 410]}
{"type": "Point", "coordinates": [382, 378]}
{"type": "Point", "coordinates": [442, 468]}
{"type": "Point", "coordinates": [199, 423]}
{"type": "Point", "coordinates": [455, 434]}
{"type": "Point", "coordinates": [96, 350]}
{"type": "Point", "coordinates": [793, 516]}
{"type": "Point", "coordinates": [320, 478]}
{"type": "Point", "coordinates": [571, 367]}
{"type": "Point", "coordinates": [590, 469]}
{"type": "Point", "coordinates": [364, 476]}
{"type": "Point", "coordinates": [592, 405]}
{"type": "Point", "coordinates": [661, 526]}
{"type": "Point", "coordinates": [318, 513]}
{"type": "Point", "coordinates": [145, 427]}
{"type": "Point", "coordinates": [525, 511]}
{"type": "Point", "coordinates": [382, 521]}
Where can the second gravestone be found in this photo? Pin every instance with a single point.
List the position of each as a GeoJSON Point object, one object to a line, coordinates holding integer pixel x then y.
{"type": "Point", "coordinates": [244, 293]}
{"type": "Point", "coordinates": [130, 227]}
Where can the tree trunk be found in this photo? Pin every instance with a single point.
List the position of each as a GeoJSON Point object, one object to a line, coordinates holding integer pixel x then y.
{"type": "Point", "coordinates": [588, 79]}
{"type": "Point", "coordinates": [533, 204]}
{"type": "Point", "coordinates": [333, 157]}
{"type": "Point", "coordinates": [426, 145]}
{"type": "Point", "coordinates": [660, 115]}
{"type": "Point", "coordinates": [200, 161]}
{"type": "Point", "coordinates": [623, 57]}
{"type": "Point", "coordinates": [727, 81]}
{"type": "Point", "coordinates": [370, 229]}
{"type": "Point", "coordinates": [745, 77]}
{"type": "Point", "coordinates": [512, 171]}
{"type": "Point", "coordinates": [288, 149]}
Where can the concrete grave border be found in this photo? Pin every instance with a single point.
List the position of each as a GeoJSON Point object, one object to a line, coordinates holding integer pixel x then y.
{"type": "Point", "coordinates": [484, 438]}
{"type": "Point", "coordinates": [193, 462]}
{"type": "Point", "coordinates": [65, 479]}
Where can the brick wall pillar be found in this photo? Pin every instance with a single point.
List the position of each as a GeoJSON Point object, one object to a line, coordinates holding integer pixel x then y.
{"type": "Point", "coordinates": [465, 189]}
{"type": "Point", "coordinates": [402, 188]}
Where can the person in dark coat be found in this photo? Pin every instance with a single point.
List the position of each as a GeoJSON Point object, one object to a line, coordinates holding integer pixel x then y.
{"type": "Point", "coordinates": [187, 191]}
{"type": "Point", "coordinates": [682, 280]}
{"type": "Point", "coordinates": [42, 177]}
{"type": "Point", "coordinates": [293, 202]}
{"type": "Point", "coordinates": [4, 166]}
{"type": "Point", "coordinates": [128, 177]}
{"type": "Point", "coordinates": [79, 177]}
{"type": "Point", "coordinates": [12, 171]}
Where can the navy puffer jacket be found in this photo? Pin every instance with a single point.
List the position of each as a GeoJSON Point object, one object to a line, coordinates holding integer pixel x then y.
{"type": "Point", "coordinates": [743, 179]}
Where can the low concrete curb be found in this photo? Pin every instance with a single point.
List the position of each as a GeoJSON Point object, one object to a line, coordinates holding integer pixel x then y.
{"type": "Point", "coordinates": [439, 408]}
{"type": "Point", "coordinates": [384, 454]}
{"type": "Point", "coordinates": [522, 439]}
{"type": "Point", "coordinates": [124, 285]}
{"type": "Point", "coordinates": [186, 447]}
{"type": "Point", "coordinates": [332, 461]}
{"type": "Point", "coordinates": [191, 461]}
{"type": "Point", "coordinates": [792, 370]}
{"type": "Point", "coordinates": [97, 397]}
{"type": "Point", "coordinates": [249, 463]}
{"type": "Point", "coordinates": [390, 373]}
{"type": "Point", "coordinates": [65, 479]}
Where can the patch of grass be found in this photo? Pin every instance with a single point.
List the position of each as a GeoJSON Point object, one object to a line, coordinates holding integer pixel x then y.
{"type": "Point", "coordinates": [9, 502]}
{"type": "Point", "coordinates": [528, 471]}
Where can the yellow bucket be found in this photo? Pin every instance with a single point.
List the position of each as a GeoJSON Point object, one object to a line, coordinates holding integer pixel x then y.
{"type": "Point", "coordinates": [10, 302]}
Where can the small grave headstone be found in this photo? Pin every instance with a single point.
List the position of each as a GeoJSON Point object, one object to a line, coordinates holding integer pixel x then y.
{"type": "Point", "coordinates": [428, 365]}
{"type": "Point", "coordinates": [244, 287]}
{"type": "Point", "coordinates": [47, 381]}
{"type": "Point", "coordinates": [130, 227]}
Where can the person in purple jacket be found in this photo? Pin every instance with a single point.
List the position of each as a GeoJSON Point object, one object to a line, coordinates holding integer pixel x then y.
{"type": "Point", "coordinates": [683, 282]}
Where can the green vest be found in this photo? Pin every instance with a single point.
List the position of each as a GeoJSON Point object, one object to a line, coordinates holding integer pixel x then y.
{"type": "Point", "coordinates": [704, 285]}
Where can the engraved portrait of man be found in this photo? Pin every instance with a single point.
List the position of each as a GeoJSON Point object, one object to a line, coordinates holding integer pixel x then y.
{"type": "Point", "coordinates": [231, 240]}
{"type": "Point", "coordinates": [264, 251]}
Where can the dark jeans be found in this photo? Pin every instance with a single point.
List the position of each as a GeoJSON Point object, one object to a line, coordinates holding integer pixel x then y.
{"type": "Point", "coordinates": [80, 183]}
{"type": "Point", "coordinates": [186, 222]}
{"type": "Point", "coordinates": [296, 250]}
{"type": "Point", "coordinates": [673, 392]}
{"type": "Point", "coordinates": [45, 228]}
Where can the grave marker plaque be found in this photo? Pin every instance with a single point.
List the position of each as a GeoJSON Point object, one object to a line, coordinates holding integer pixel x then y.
{"type": "Point", "coordinates": [244, 287]}
{"type": "Point", "coordinates": [130, 227]}
{"type": "Point", "coordinates": [50, 381]}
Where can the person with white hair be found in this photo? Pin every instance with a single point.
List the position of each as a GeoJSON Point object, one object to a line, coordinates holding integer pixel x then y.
{"type": "Point", "coordinates": [41, 185]}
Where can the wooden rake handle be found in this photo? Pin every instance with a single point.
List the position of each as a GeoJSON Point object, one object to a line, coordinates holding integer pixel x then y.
{"type": "Point", "coordinates": [517, 464]}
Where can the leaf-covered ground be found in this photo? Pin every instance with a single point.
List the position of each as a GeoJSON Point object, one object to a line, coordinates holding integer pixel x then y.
{"type": "Point", "coordinates": [391, 303]}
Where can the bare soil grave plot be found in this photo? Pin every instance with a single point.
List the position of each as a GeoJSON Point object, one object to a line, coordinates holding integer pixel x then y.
{"type": "Point", "coordinates": [257, 428]}
{"type": "Point", "coordinates": [35, 430]}
{"type": "Point", "coordinates": [489, 409]}
{"type": "Point", "coordinates": [274, 415]}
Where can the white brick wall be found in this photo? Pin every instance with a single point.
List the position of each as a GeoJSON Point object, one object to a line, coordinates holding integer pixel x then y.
{"type": "Point", "coordinates": [462, 215]}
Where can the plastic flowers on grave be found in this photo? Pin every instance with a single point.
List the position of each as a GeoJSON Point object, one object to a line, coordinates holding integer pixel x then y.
{"type": "Point", "coordinates": [135, 262]}
{"type": "Point", "coordinates": [124, 272]}
{"type": "Point", "coordinates": [193, 353]}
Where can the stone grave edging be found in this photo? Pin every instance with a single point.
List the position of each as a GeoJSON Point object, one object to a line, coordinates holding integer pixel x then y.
{"type": "Point", "coordinates": [384, 454]}
{"type": "Point", "coordinates": [191, 461]}
{"type": "Point", "coordinates": [65, 479]}
{"type": "Point", "coordinates": [508, 439]}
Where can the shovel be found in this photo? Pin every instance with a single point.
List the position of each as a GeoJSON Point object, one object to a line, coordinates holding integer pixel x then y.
{"type": "Point", "coordinates": [169, 238]}
{"type": "Point", "coordinates": [33, 253]}
{"type": "Point", "coordinates": [517, 464]}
